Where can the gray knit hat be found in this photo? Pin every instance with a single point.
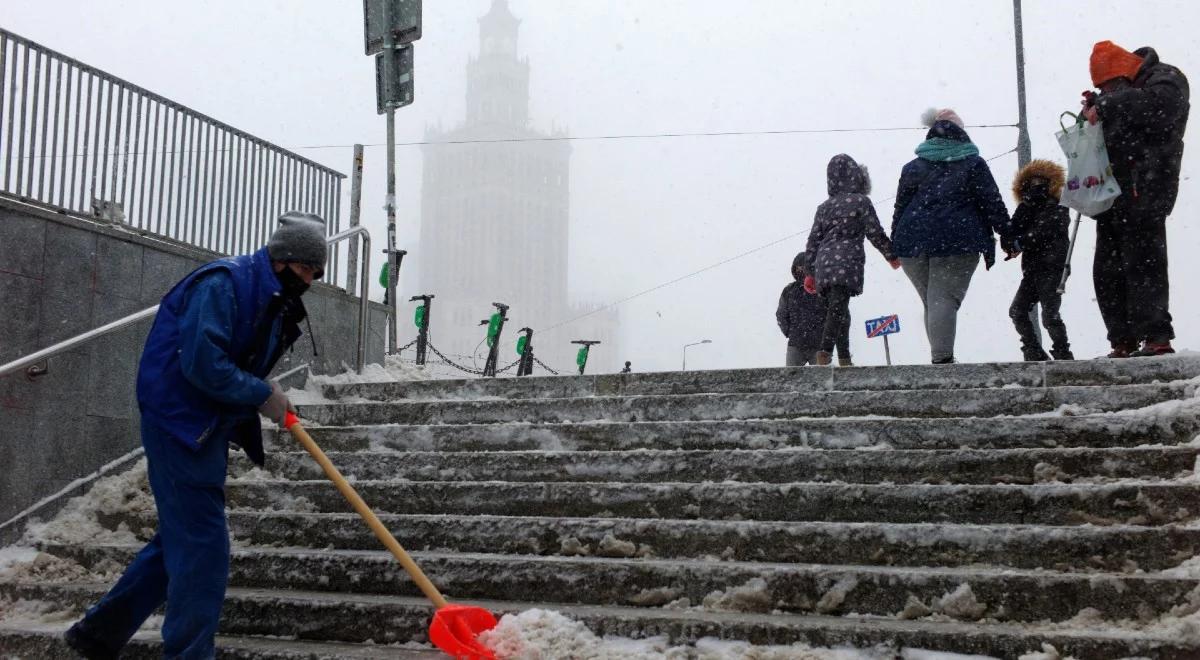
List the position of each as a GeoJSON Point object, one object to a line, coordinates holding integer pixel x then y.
{"type": "Point", "coordinates": [300, 237]}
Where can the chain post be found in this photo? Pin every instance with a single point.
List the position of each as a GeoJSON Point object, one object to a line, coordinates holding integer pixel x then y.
{"type": "Point", "coordinates": [526, 361]}
{"type": "Point", "coordinates": [582, 358]}
{"type": "Point", "coordinates": [489, 367]}
{"type": "Point", "coordinates": [423, 326]}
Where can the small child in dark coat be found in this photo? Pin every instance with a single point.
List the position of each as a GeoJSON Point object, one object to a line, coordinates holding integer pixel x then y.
{"type": "Point", "coordinates": [836, 254]}
{"type": "Point", "coordinates": [1040, 236]}
{"type": "Point", "coordinates": [801, 316]}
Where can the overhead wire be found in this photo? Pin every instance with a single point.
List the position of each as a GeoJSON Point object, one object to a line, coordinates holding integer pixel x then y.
{"type": "Point", "coordinates": [544, 138]}
{"type": "Point", "coordinates": [645, 136]}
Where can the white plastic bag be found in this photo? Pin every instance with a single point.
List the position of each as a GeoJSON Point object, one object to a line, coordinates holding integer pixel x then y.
{"type": "Point", "coordinates": [1091, 188]}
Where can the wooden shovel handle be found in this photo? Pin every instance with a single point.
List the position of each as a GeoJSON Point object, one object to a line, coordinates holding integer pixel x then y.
{"type": "Point", "coordinates": [292, 423]}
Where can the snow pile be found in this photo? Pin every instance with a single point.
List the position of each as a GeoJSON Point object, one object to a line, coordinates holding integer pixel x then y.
{"type": "Point", "coordinates": [47, 568]}
{"type": "Point", "coordinates": [750, 597]}
{"type": "Point", "coordinates": [13, 555]}
{"type": "Point", "coordinates": [80, 521]}
{"type": "Point", "coordinates": [393, 369]}
{"type": "Point", "coordinates": [716, 649]}
{"type": "Point", "coordinates": [922, 654]}
{"type": "Point", "coordinates": [547, 635]}
{"type": "Point", "coordinates": [961, 604]}
{"type": "Point", "coordinates": [29, 613]}
{"type": "Point", "coordinates": [1048, 652]}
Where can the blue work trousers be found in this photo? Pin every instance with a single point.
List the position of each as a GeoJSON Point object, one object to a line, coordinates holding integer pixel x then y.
{"type": "Point", "coordinates": [186, 564]}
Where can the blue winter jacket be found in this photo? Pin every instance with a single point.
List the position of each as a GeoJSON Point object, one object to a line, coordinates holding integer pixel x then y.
{"type": "Point", "coordinates": [947, 208]}
{"type": "Point", "coordinates": [217, 335]}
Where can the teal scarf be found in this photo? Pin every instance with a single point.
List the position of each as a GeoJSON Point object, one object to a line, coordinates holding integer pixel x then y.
{"type": "Point", "coordinates": [942, 149]}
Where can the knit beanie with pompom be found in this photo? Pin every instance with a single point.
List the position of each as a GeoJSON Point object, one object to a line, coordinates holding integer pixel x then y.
{"type": "Point", "coordinates": [934, 115]}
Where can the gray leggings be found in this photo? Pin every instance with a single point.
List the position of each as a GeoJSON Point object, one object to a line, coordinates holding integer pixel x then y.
{"type": "Point", "coordinates": [942, 284]}
{"type": "Point", "coordinates": [799, 357]}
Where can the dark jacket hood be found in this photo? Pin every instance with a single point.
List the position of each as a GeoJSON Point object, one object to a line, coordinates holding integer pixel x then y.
{"type": "Point", "coordinates": [801, 261]}
{"type": "Point", "coordinates": [845, 176]}
{"type": "Point", "coordinates": [1149, 58]}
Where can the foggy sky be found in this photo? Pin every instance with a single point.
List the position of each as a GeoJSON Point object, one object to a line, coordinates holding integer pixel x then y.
{"type": "Point", "coordinates": [646, 211]}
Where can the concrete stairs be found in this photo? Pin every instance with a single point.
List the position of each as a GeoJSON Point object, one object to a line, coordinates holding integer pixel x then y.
{"type": "Point", "coordinates": [980, 509]}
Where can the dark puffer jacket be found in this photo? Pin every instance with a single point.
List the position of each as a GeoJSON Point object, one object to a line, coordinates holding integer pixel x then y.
{"type": "Point", "coordinates": [948, 208]}
{"type": "Point", "coordinates": [835, 244]}
{"type": "Point", "coordinates": [800, 314]}
{"type": "Point", "coordinates": [1143, 130]}
{"type": "Point", "coordinates": [1040, 227]}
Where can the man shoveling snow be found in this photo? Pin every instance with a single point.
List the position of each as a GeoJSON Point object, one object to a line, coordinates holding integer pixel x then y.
{"type": "Point", "coordinates": [201, 386]}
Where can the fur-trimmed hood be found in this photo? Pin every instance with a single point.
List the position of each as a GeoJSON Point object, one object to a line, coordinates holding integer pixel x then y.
{"type": "Point", "coordinates": [1044, 169]}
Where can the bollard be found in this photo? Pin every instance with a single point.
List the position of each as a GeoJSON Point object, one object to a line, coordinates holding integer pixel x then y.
{"type": "Point", "coordinates": [421, 319]}
{"type": "Point", "coordinates": [581, 357]}
{"type": "Point", "coordinates": [495, 326]}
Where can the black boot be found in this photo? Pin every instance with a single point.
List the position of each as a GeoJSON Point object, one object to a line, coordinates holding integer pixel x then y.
{"type": "Point", "coordinates": [1034, 353]}
{"type": "Point", "coordinates": [1062, 354]}
{"type": "Point", "coordinates": [85, 645]}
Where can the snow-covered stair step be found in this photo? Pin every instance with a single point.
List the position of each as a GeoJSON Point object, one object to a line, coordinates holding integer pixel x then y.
{"type": "Point", "coordinates": [1098, 430]}
{"type": "Point", "coordinates": [963, 466]}
{"type": "Point", "coordinates": [359, 617]}
{"type": "Point", "coordinates": [1048, 504]}
{"type": "Point", "coordinates": [999, 594]}
{"type": "Point", "coordinates": [897, 403]}
{"type": "Point", "coordinates": [1088, 548]}
{"type": "Point", "coordinates": [1024, 374]}
{"type": "Point", "coordinates": [47, 642]}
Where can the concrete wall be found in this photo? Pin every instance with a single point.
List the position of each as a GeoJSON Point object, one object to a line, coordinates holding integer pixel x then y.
{"type": "Point", "coordinates": [63, 275]}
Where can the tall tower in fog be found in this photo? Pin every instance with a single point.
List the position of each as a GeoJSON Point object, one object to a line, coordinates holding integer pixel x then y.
{"type": "Point", "coordinates": [495, 216]}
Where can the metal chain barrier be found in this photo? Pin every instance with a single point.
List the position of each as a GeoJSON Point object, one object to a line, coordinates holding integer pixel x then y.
{"type": "Point", "coordinates": [476, 372]}
{"type": "Point", "coordinates": [407, 346]}
{"type": "Point", "coordinates": [543, 365]}
{"type": "Point", "coordinates": [500, 371]}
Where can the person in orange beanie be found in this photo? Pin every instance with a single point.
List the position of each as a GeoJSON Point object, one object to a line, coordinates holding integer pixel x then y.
{"type": "Point", "coordinates": [1143, 106]}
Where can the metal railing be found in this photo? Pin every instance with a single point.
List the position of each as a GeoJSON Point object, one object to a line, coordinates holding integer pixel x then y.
{"type": "Point", "coordinates": [77, 138]}
{"type": "Point", "coordinates": [30, 363]}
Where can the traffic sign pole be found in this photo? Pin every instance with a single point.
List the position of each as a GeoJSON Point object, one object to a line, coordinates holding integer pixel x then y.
{"type": "Point", "coordinates": [389, 63]}
{"type": "Point", "coordinates": [882, 327]}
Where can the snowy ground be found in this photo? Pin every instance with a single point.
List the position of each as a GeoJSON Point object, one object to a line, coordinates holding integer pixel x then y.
{"type": "Point", "coordinates": [538, 634]}
{"type": "Point", "coordinates": [393, 370]}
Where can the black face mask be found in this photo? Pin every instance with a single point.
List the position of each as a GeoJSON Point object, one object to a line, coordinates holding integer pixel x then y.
{"type": "Point", "coordinates": [293, 285]}
{"type": "Point", "coordinates": [1036, 193]}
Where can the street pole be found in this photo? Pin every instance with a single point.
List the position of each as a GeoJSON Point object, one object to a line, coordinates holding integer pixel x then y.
{"type": "Point", "coordinates": [887, 350]}
{"type": "Point", "coordinates": [355, 216]}
{"type": "Point", "coordinates": [685, 347]}
{"type": "Point", "coordinates": [1024, 148]}
{"type": "Point", "coordinates": [389, 63]}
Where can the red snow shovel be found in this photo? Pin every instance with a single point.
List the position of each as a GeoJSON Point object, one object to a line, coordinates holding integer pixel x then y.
{"type": "Point", "coordinates": [454, 627]}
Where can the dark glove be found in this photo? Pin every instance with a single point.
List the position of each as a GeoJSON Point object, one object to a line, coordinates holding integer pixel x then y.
{"type": "Point", "coordinates": [1009, 245]}
{"type": "Point", "coordinates": [810, 284]}
{"type": "Point", "coordinates": [276, 405]}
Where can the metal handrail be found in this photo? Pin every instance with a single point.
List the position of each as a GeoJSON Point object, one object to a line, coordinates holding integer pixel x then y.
{"type": "Point", "coordinates": [66, 345]}
{"type": "Point", "coordinates": [364, 284]}
{"type": "Point", "coordinates": [83, 338]}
